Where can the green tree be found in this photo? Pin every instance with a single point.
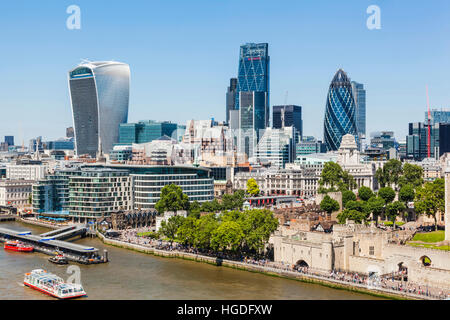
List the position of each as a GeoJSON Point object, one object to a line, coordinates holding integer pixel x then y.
{"type": "Point", "coordinates": [365, 193]}
{"type": "Point", "coordinates": [406, 194]}
{"type": "Point", "coordinates": [376, 206]}
{"type": "Point", "coordinates": [390, 173]}
{"type": "Point", "coordinates": [172, 199]}
{"type": "Point", "coordinates": [252, 187]}
{"type": "Point", "coordinates": [333, 179]}
{"type": "Point", "coordinates": [394, 209]}
{"type": "Point", "coordinates": [186, 233]}
{"type": "Point", "coordinates": [257, 226]}
{"type": "Point", "coordinates": [387, 193]}
{"type": "Point", "coordinates": [170, 228]}
{"type": "Point", "coordinates": [412, 174]}
{"type": "Point", "coordinates": [347, 196]}
{"type": "Point", "coordinates": [355, 215]}
{"type": "Point", "coordinates": [204, 228]}
{"type": "Point", "coordinates": [430, 199]}
{"type": "Point", "coordinates": [360, 206]}
{"type": "Point", "coordinates": [229, 235]}
{"type": "Point", "coordinates": [329, 205]}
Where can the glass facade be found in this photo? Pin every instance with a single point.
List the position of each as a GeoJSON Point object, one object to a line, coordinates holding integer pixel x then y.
{"type": "Point", "coordinates": [231, 98]}
{"type": "Point", "coordinates": [287, 116]}
{"type": "Point", "coordinates": [359, 95]}
{"type": "Point", "coordinates": [253, 73]}
{"type": "Point", "coordinates": [417, 141]}
{"type": "Point", "coordinates": [252, 119]}
{"type": "Point", "coordinates": [145, 131]}
{"type": "Point", "coordinates": [438, 116]}
{"type": "Point", "coordinates": [99, 93]}
{"type": "Point", "coordinates": [340, 117]}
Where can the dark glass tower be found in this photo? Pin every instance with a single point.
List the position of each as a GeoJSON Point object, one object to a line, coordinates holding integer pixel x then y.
{"type": "Point", "coordinates": [287, 116]}
{"type": "Point", "coordinates": [340, 111]}
{"type": "Point", "coordinates": [253, 73]}
{"type": "Point", "coordinates": [231, 98]}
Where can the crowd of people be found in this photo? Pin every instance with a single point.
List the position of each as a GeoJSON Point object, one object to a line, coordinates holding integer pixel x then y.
{"type": "Point", "coordinates": [392, 282]}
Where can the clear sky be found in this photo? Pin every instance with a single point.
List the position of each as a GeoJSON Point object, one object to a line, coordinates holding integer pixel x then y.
{"type": "Point", "coordinates": [183, 53]}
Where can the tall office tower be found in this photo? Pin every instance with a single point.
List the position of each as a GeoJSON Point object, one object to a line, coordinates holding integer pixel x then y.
{"type": "Point", "coordinates": [340, 108]}
{"type": "Point", "coordinates": [9, 140]}
{"type": "Point", "coordinates": [287, 116]}
{"type": "Point", "coordinates": [438, 116]}
{"type": "Point", "coordinates": [359, 94]}
{"type": "Point", "coordinates": [99, 94]}
{"type": "Point", "coordinates": [70, 133]}
{"type": "Point", "coordinates": [231, 98]}
{"type": "Point", "coordinates": [252, 120]}
{"type": "Point", "coordinates": [253, 73]}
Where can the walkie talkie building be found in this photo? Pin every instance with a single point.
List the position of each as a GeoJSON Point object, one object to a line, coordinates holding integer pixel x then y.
{"type": "Point", "coordinates": [99, 95]}
{"type": "Point", "coordinates": [340, 117]}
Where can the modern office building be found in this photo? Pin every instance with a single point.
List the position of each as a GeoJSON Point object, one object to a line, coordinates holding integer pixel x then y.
{"type": "Point", "coordinates": [9, 140]}
{"type": "Point", "coordinates": [417, 141]}
{"type": "Point", "coordinates": [147, 182]}
{"type": "Point", "coordinates": [444, 138]}
{"type": "Point", "coordinates": [359, 94]}
{"type": "Point", "coordinates": [231, 98]}
{"type": "Point", "coordinates": [287, 116]}
{"type": "Point", "coordinates": [252, 120]}
{"type": "Point", "coordinates": [70, 133]}
{"type": "Point", "coordinates": [438, 116]}
{"type": "Point", "coordinates": [99, 95]}
{"type": "Point", "coordinates": [340, 111]}
{"type": "Point", "coordinates": [96, 192]}
{"type": "Point", "coordinates": [36, 145]}
{"type": "Point", "coordinates": [60, 144]}
{"type": "Point", "coordinates": [277, 147]}
{"type": "Point", "coordinates": [52, 193]}
{"type": "Point", "coordinates": [306, 146]}
{"type": "Point", "coordinates": [253, 72]}
{"type": "Point", "coordinates": [145, 131]}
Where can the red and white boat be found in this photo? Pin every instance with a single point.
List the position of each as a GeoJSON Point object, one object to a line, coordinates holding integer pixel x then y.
{"type": "Point", "coordinates": [17, 246]}
{"type": "Point", "coordinates": [52, 285]}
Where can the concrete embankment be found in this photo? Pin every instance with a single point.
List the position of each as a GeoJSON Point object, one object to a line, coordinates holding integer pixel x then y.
{"type": "Point", "coordinates": [332, 283]}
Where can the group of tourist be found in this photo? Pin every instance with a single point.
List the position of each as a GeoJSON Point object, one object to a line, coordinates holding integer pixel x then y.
{"type": "Point", "coordinates": [391, 282]}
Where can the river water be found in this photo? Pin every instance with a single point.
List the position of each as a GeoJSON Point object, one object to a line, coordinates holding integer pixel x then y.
{"type": "Point", "coordinates": [137, 276]}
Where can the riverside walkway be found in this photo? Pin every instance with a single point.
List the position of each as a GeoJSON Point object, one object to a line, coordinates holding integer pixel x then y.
{"type": "Point", "coordinates": [364, 283]}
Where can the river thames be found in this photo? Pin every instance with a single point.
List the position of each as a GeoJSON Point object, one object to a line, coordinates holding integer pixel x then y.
{"type": "Point", "coordinates": [138, 276]}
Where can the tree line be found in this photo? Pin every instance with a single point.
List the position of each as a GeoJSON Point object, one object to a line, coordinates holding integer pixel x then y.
{"type": "Point", "coordinates": [396, 179]}
{"type": "Point", "coordinates": [235, 231]}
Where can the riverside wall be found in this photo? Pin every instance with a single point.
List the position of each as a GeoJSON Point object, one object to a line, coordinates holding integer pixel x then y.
{"type": "Point", "coordinates": [332, 283]}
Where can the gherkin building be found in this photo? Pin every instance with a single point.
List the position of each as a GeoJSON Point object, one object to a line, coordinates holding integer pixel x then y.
{"type": "Point", "coordinates": [340, 111]}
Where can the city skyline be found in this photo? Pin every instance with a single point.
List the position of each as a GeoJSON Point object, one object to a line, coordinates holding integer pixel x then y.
{"type": "Point", "coordinates": [301, 67]}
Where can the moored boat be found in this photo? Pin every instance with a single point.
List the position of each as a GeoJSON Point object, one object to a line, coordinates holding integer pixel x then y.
{"type": "Point", "coordinates": [58, 259]}
{"type": "Point", "coordinates": [52, 285]}
{"type": "Point", "coordinates": [17, 246]}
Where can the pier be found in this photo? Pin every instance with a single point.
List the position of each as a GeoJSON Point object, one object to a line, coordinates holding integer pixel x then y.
{"type": "Point", "coordinates": [51, 242]}
{"type": "Point", "coordinates": [7, 217]}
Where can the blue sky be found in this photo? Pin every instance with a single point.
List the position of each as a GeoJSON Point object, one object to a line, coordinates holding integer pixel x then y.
{"type": "Point", "coordinates": [183, 53]}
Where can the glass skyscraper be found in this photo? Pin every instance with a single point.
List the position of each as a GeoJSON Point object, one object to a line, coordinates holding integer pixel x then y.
{"type": "Point", "coordinates": [231, 98]}
{"type": "Point", "coordinates": [252, 117]}
{"type": "Point", "coordinates": [340, 115]}
{"type": "Point", "coordinates": [287, 116]}
{"type": "Point", "coordinates": [99, 95]}
{"type": "Point", "coordinates": [359, 94]}
{"type": "Point", "coordinates": [253, 73]}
